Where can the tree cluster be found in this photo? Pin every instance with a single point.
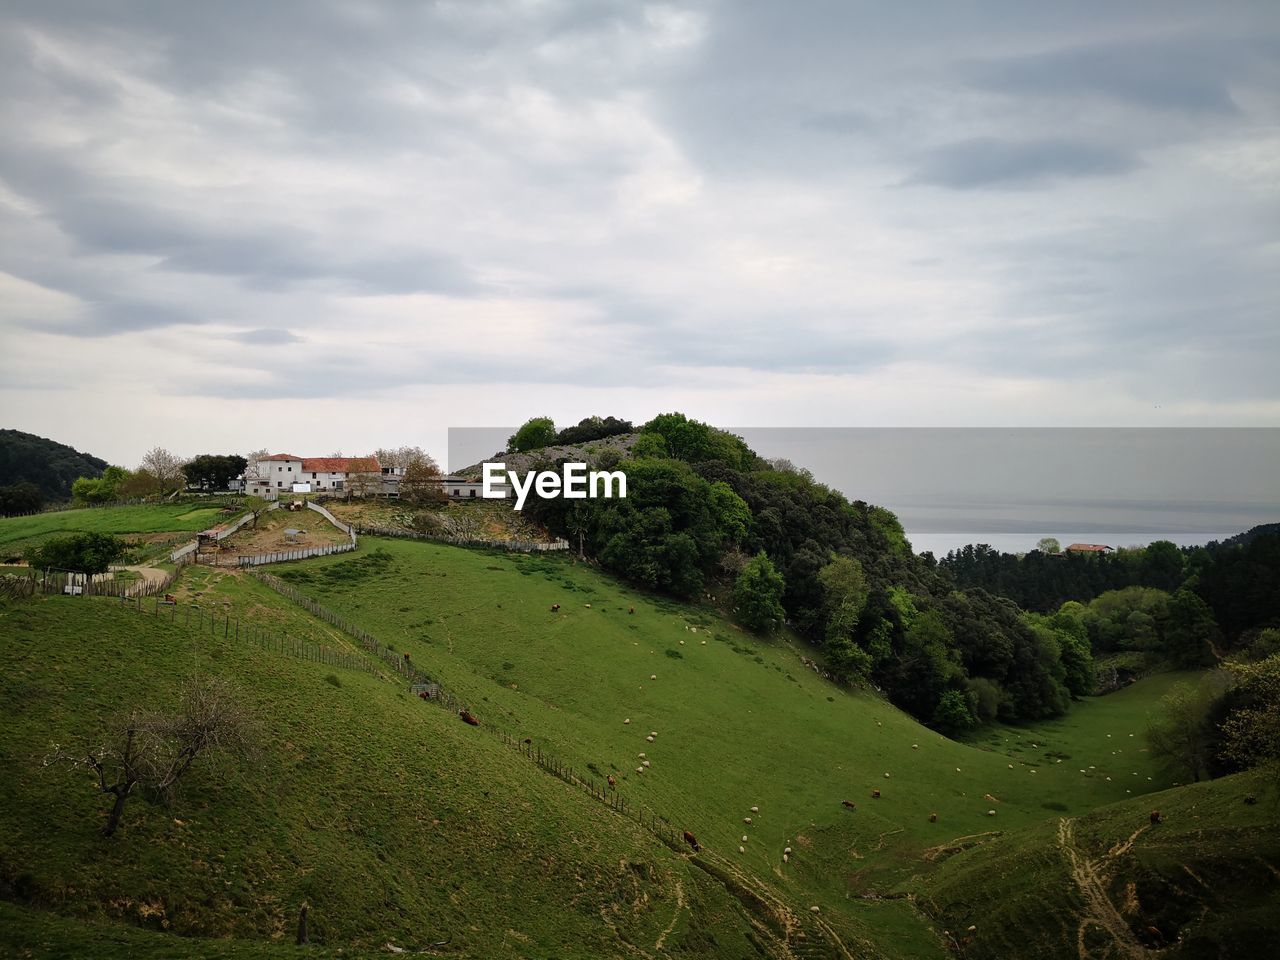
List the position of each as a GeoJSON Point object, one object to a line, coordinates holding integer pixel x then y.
{"type": "Point", "coordinates": [213, 471]}
{"type": "Point", "coordinates": [51, 467]}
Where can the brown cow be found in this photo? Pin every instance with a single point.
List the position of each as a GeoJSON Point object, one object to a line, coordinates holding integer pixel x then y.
{"type": "Point", "coordinates": [876, 794]}
{"type": "Point", "coordinates": [613, 782]}
{"type": "Point", "coordinates": [632, 610]}
{"type": "Point", "coordinates": [555, 608]}
{"type": "Point", "coordinates": [692, 841]}
{"type": "Point", "coordinates": [170, 598]}
{"type": "Point", "coordinates": [850, 804]}
{"type": "Point", "coordinates": [1155, 817]}
{"type": "Point", "coordinates": [468, 717]}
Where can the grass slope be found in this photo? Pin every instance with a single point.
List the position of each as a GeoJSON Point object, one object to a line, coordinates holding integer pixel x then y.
{"type": "Point", "coordinates": [18, 532]}
{"type": "Point", "coordinates": [740, 722]}
{"type": "Point", "coordinates": [1205, 882]}
{"type": "Point", "coordinates": [393, 820]}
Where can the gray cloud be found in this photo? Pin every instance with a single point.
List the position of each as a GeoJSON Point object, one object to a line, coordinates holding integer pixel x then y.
{"type": "Point", "coordinates": [606, 195]}
{"type": "Point", "coordinates": [988, 161]}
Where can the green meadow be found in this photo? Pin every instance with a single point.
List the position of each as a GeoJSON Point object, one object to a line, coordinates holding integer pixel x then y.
{"type": "Point", "coordinates": [399, 824]}
{"type": "Point", "coordinates": [18, 532]}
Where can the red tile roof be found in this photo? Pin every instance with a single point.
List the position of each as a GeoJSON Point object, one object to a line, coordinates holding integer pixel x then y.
{"type": "Point", "coordinates": [342, 465]}
{"type": "Point", "coordinates": [282, 456]}
{"type": "Point", "coordinates": [1088, 547]}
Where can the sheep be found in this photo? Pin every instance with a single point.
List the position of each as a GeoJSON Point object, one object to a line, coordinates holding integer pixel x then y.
{"type": "Point", "coordinates": [933, 818]}
{"type": "Point", "coordinates": [987, 796]}
{"type": "Point", "coordinates": [915, 746]}
{"type": "Point", "coordinates": [587, 605]}
{"type": "Point", "coordinates": [742, 849]}
{"type": "Point", "coordinates": [640, 755]}
{"type": "Point", "coordinates": [689, 838]}
{"type": "Point", "coordinates": [645, 762]}
{"type": "Point", "coordinates": [653, 676]}
{"type": "Point", "coordinates": [786, 858]}
{"type": "Point", "coordinates": [653, 733]}
{"type": "Point", "coordinates": [628, 720]}
{"type": "Point", "coordinates": [815, 909]}
{"type": "Point", "coordinates": [648, 739]}
{"type": "Point", "coordinates": [755, 809]}
{"type": "Point", "coordinates": [787, 850]}
{"type": "Point", "coordinates": [639, 769]}
{"type": "Point", "coordinates": [631, 611]}
{"type": "Point", "coordinates": [991, 813]}
{"type": "Point", "coordinates": [875, 794]}
{"type": "Point", "coordinates": [744, 838]}
{"type": "Point", "coordinates": [1156, 817]}
{"type": "Point", "coordinates": [613, 782]}
{"type": "Point", "coordinates": [747, 821]}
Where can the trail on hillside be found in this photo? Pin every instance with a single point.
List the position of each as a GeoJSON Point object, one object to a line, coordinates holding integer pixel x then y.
{"type": "Point", "coordinates": [675, 917]}
{"type": "Point", "coordinates": [1091, 877]}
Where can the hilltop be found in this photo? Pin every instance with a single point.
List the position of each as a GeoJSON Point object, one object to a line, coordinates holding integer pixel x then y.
{"type": "Point", "coordinates": [50, 466]}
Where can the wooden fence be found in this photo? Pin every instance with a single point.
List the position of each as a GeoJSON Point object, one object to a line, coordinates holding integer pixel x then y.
{"type": "Point", "coordinates": [521, 546]}
{"type": "Point", "coordinates": [300, 554]}
{"type": "Point", "coordinates": [269, 638]}
{"type": "Point", "coordinates": [41, 582]}
{"type": "Point", "coordinates": [431, 690]}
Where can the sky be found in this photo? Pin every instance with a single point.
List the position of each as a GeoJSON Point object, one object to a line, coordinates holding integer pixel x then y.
{"type": "Point", "coordinates": [333, 226]}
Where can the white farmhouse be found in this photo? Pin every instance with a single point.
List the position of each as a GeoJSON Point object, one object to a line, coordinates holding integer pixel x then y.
{"type": "Point", "coordinates": [279, 473]}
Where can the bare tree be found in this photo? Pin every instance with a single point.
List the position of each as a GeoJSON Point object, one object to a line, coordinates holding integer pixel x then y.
{"type": "Point", "coordinates": [421, 483]}
{"type": "Point", "coordinates": [150, 752]}
{"type": "Point", "coordinates": [165, 467]}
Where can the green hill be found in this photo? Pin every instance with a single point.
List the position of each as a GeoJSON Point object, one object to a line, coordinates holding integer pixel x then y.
{"type": "Point", "coordinates": [51, 466]}
{"type": "Point", "coordinates": [398, 824]}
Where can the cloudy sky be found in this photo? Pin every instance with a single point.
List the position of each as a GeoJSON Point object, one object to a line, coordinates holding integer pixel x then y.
{"type": "Point", "coordinates": [324, 226]}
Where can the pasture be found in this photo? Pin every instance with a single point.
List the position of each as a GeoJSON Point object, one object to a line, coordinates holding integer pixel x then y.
{"type": "Point", "coordinates": [16, 533]}
{"type": "Point", "coordinates": [740, 722]}
{"type": "Point", "coordinates": [392, 820]}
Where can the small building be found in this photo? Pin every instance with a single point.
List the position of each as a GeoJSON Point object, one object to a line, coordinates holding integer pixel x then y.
{"type": "Point", "coordinates": [462, 488]}
{"type": "Point", "coordinates": [1088, 548]}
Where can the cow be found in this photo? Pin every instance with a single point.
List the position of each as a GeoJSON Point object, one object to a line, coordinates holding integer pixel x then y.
{"type": "Point", "coordinates": [170, 598]}
{"type": "Point", "coordinates": [851, 805]}
{"type": "Point", "coordinates": [613, 781]}
{"type": "Point", "coordinates": [1155, 817]}
{"type": "Point", "coordinates": [876, 794]}
{"type": "Point", "coordinates": [692, 841]}
{"type": "Point", "coordinates": [632, 610]}
{"type": "Point", "coordinates": [468, 717]}
{"type": "Point", "coordinates": [555, 608]}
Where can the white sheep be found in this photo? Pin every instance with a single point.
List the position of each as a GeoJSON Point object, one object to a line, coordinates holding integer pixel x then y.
{"type": "Point", "coordinates": [641, 756]}
{"type": "Point", "coordinates": [991, 813]}
{"type": "Point", "coordinates": [742, 849]}
{"type": "Point", "coordinates": [653, 676]}
{"type": "Point", "coordinates": [648, 739]}
{"type": "Point", "coordinates": [787, 850]}
{"type": "Point", "coordinates": [786, 858]}
{"type": "Point", "coordinates": [744, 838]}
{"type": "Point", "coordinates": [628, 720]}
{"type": "Point", "coordinates": [815, 909]}
{"type": "Point", "coordinates": [755, 809]}
{"type": "Point", "coordinates": [746, 820]}
{"type": "Point", "coordinates": [646, 763]}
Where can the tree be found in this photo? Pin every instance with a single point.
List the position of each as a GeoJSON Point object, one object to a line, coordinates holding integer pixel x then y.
{"type": "Point", "coordinates": [953, 714]}
{"type": "Point", "coordinates": [140, 483]}
{"type": "Point", "coordinates": [536, 433]}
{"type": "Point", "coordinates": [211, 471]}
{"type": "Point", "coordinates": [1048, 545]}
{"type": "Point", "coordinates": [757, 595]}
{"type": "Point", "coordinates": [103, 489]}
{"type": "Point", "coordinates": [1182, 735]}
{"type": "Point", "coordinates": [87, 553]}
{"type": "Point", "coordinates": [16, 498]}
{"type": "Point", "coordinates": [149, 753]}
{"type": "Point", "coordinates": [400, 457]}
{"type": "Point", "coordinates": [165, 467]}
{"type": "Point", "coordinates": [1191, 633]}
{"type": "Point", "coordinates": [1251, 731]}
{"type": "Point", "coordinates": [420, 484]}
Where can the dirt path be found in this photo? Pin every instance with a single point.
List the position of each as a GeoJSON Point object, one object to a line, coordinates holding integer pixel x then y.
{"type": "Point", "coordinates": [662, 937]}
{"type": "Point", "coordinates": [1090, 877]}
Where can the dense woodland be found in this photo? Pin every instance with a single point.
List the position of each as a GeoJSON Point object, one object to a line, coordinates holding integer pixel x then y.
{"type": "Point", "coordinates": [34, 471]}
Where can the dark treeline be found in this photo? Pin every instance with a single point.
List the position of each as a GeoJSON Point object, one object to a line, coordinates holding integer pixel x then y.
{"type": "Point", "coordinates": [705, 514]}
{"type": "Point", "coordinates": [48, 466]}
{"type": "Point", "coordinates": [1238, 580]}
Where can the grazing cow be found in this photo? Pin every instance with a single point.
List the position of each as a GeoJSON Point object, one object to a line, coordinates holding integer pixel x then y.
{"type": "Point", "coordinates": [632, 610]}
{"type": "Point", "coordinates": [876, 794]}
{"type": "Point", "coordinates": [692, 841]}
{"type": "Point", "coordinates": [170, 598]}
{"type": "Point", "coordinates": [1155, 817]}
{"type": "Point", "coordinates": [851, 805]}
{"type": "Point", "coordinates": [555, 608]}
{"type": "Point", "coordinates": [612, 780]}
{"type": "Point", "coordinates": [468, 717]}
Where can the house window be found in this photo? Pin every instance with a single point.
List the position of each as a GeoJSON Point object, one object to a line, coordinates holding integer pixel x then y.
{"type": "Point", "coordinates": [337, 484]}
{"type": "Point", "coordinates": [313, 476]}
{"type": "Point", "coordinates": [279, 483]}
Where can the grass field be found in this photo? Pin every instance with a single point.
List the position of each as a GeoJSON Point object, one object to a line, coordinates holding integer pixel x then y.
{"type": "Point", "coordinates": [381, 811]}
{"type": "Point", "coordinates": [740, 721]}
{"type": "Point", "coordinates": [394, 821]}
{"type": "Point", "coordinates": [16, 533]}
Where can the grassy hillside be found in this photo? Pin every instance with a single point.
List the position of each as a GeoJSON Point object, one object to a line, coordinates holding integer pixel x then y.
{"type": "Point", "coordinates": [51, 466]}
{"type": "Point", "coordinates": [1111, 883]}
{"type": "Point", "coordinates": [398, 823]}
{"type": "Point", "coordinates": [741, 722]}
{"type": "Point", "coordinates": [18, 532]}
{"type": "Point", "coordinates": [393, 820]}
